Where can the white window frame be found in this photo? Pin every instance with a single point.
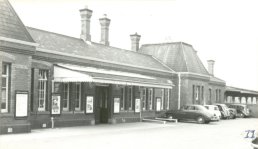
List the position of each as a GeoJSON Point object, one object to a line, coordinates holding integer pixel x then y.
{"type": "Point", "coordinates": [122, 107]}
{"type": "Point", "coordinates": [7, 75]}
{"type": "Point", "coordinates": [150, 98]}
{"type": "Point", "coordinates": [143, 98]}
{"type": "Point", "coordinates": [162, 99]}
{"type": "Point", "coordinates": [168, 96]}
{"type": "Point", "coordinates": [42, 89]}
{"type": "Point", "coordinates": [66, 93]}
{"type": "Point", "coordinates": [78, 108]}
{"type": "Point", "coordinates": [130, 92]}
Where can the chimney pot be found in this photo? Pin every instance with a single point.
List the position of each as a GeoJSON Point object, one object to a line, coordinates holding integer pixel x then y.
{"type": "Point", "coordinates": [211, 67]}
{"type": "Point", "coordinates": [135, 42]}
{"type": "Point", "coordinates": [85, 23]}
{"type": "Point", "coordinates": [104, 22]}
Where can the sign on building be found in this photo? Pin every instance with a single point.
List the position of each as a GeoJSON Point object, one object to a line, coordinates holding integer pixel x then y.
{"type": "Point", "coordinates": [21, 104]}
{"type": "Point", "coordinates": [116, 105]}
{"type": "Point", "coordinates": [56, 102]}
{"type": "Point", "coordinates": [89, 104]}
{"type": "Point", "coordinates": [137, 105]}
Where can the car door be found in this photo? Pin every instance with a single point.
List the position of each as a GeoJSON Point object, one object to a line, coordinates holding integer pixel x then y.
{"type": "Point", "coordinates": [190, 113]}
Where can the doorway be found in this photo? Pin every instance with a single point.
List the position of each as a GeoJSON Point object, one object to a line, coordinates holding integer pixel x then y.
{"type": "Point", "coordinates": [102, 105]}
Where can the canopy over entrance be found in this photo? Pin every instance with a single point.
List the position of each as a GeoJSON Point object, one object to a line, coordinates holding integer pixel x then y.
{"type": "Point", "coordinates": [74, 73]}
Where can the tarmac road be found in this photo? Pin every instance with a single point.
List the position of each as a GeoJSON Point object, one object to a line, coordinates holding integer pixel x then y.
{"type": "Point", "coordinates": [226, 134]}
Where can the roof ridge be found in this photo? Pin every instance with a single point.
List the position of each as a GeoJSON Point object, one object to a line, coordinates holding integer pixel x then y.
{"type": "Point", "coordinates": [163, 64]}
{"type": "Point", "coordinates": [199, 61]}
{"type": "Point", "coordinates": [20, 22]}
{"type": "Point", "coordinates": [163, 43]}
{"type": "Point", "coordinates": [42, 30]}
{"type": "Point", "coordinates": [59, 34]}
{"type": "Point", "coordinates": [183, 50]}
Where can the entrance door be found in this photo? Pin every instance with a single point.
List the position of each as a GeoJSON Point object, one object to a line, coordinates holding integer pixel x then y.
{"type": "Point", "coordinates": [102, 104]}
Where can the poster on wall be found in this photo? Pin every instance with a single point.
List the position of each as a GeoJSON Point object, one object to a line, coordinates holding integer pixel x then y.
{"type": "Point", "coordinates": [116, 105]}
{"type": "Point", "coordinates": [21, 104]}
{"type": "Point", "coordinates": [158, 104]}
{"type": "Point", "coordinates": [89, 104]}
{"type": "Point", "coordinates": [56, 102]}
{"type": "Point", "coordinates": [137, 105]}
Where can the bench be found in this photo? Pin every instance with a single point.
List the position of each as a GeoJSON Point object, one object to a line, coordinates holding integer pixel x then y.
{"type": "Point", "coordinates": [167, 119]}
{"type": "Point", "coordinates": [154, 120]}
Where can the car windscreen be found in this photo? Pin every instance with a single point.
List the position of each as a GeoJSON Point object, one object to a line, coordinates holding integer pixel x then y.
{"type": "Point", "coordinates": [216, 108]}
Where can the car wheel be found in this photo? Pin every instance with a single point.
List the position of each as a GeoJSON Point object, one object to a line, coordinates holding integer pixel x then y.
{"type": "Point", "coordinates": [242, 115]}
{"type": "Point", "coordinates": [200, 120]}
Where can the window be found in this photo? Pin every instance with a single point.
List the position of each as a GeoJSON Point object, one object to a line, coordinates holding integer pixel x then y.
{"type": "Point", "coordinates": [193, 94]}
{"type": "Point", "coordinates": [150, 98]}
{"type": "Point", "coordinates": [5, 87]}
{"type": "Point", "coordinates": [168, 91]}
{"type": "Point", "coordinates": [78, 96]}
{"type": "Point", "coordinates": [122, 102]}
{"type": "Point", "coordinates": [130, 98]}
{"type": "Point", "coordinates": [216, 95]}
{"type": "Point", "coordinates": [162, 100]}
{"type": "Point", "coordinates": [209, 96]}
{"type": "Point", "coordinates": [42, 90]}
{"type": "Point", "coordinates": [66, 96]}
{"type": "Point", "coordinates": [197, 96]}
{"type": "Point", "coordinates": [143, 97]}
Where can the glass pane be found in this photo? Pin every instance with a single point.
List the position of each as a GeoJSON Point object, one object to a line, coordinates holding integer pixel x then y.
{"type": "Point", "coordinates": [41, 103]}
{"type": "Point", "coordinates": [3, 95]}
{"type": "Point", "coordinates": [4, 69]}
{"type": "Point", "coordinates": [3, 82]}
{"type": "Point", "coordinates": [3, 105]}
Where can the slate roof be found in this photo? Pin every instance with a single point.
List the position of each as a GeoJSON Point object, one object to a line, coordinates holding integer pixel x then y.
{"type": "Point", "coordinates": [179, 56]}
{"type": "Point", "coordinates": [215, 79]}
{"type": "Point", "coordinates": [10, 24]}
{"type": "Point", "coordinates": [240, 90]}
{"type": "Point", "coordinates": [76, 46]}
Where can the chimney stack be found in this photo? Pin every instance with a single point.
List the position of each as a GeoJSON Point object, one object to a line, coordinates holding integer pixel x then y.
{"type": "Point", "coordinates": [135, 38]}
{"type": "Point", "coordinates": [211, 67]}
{"type": "Point", "coordinates": [104, 22]}
{"type": "Point", "coordinates": [85, 23]}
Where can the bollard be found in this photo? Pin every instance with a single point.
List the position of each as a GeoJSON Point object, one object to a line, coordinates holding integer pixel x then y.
{"type": "Point", "coordinates": [52, 122]}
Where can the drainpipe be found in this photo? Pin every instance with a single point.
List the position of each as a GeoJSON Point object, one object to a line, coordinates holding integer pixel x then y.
{"type": "Point", "coordinates": [179, 91]}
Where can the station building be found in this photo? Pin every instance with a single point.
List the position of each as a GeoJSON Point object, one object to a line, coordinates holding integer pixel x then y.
{"type": "Point", "coordinates": [49, 78]}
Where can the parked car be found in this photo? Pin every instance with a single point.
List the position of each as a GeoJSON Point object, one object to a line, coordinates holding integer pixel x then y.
{"type": "Point", "coordinates": [215, 110]}
{"type": "Point", "coordinates": [225, 113]}
{"type": "Point", "coordinates": [241, 110]}
{"type": "Point", "coordinates": [196, 113]}
{"type": "Point", "coordinates": [233, 113]}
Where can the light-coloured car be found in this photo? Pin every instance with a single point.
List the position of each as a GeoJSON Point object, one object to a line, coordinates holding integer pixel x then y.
{"type": "Point", "coordinates": [215, 110]}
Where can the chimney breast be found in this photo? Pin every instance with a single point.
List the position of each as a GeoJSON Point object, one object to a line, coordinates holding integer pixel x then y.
{"type": "Point", "coordinates": [135, 41]}
{"type": "Point", "coordinates": [211, 67]}
{"type": "Point", "coordinates": [85, 23]}
{"type": "Point", "coordinates": [104, 22]}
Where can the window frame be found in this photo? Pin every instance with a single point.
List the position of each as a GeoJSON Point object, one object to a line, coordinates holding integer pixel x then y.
{"type": "Point", "coordinates": [162, 99]}
{"type": "Point", "coordinates": [143, 96]}
{"type": "Point", "coordinates": [66, 94]}
{"type": "Point", "coordinates": [150, 98]}
{"type": "Point", "coordinates": [77, 108]}
{"type": "Point", "coordinates": [168, 96]}
{"type": "Point", "coordinates": [130, 98]}
{"type": "Point", "coordinates": [42, 89]}
{"type": "Point", "coordinates": [7, 86]}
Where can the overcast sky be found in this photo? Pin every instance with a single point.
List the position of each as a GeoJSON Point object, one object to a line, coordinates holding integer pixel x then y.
{"type": "Point", "coordinates": [223, 30]}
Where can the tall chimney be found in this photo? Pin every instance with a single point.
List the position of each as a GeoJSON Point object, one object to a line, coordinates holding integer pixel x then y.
{"type": "Point", "coordinates": [135, 38]}
{"type": "Point", "coordinates": [104, 22]}
{"type": "Point", "coordinates": [211, 67]}
{"type": "Point", "coordinates": [85, 23]}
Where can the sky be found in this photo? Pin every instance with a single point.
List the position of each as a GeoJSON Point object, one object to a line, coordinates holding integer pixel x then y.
{"type": "Point", "coordinates": [222, 30]}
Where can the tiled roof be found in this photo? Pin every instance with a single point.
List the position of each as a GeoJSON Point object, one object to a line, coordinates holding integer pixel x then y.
{"type": "Point", "coordinates": [179, 56]}
{"type": "Point", "coordinates": [10, 24]}
{"type": "Point", "coordinates": [75, 46]}
{"type": "Point", "coordinates": [240, 90]}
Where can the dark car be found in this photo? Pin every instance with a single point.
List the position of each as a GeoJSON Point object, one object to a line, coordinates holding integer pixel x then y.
{"type": "Point", "coordinates": [225, 112]}
{"type": "Point", "coordinates": [242, 110]}
{"type": "Point", "coordinates": [196, 113]}
{"type": "Point", "coordinates": [233, 113]}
